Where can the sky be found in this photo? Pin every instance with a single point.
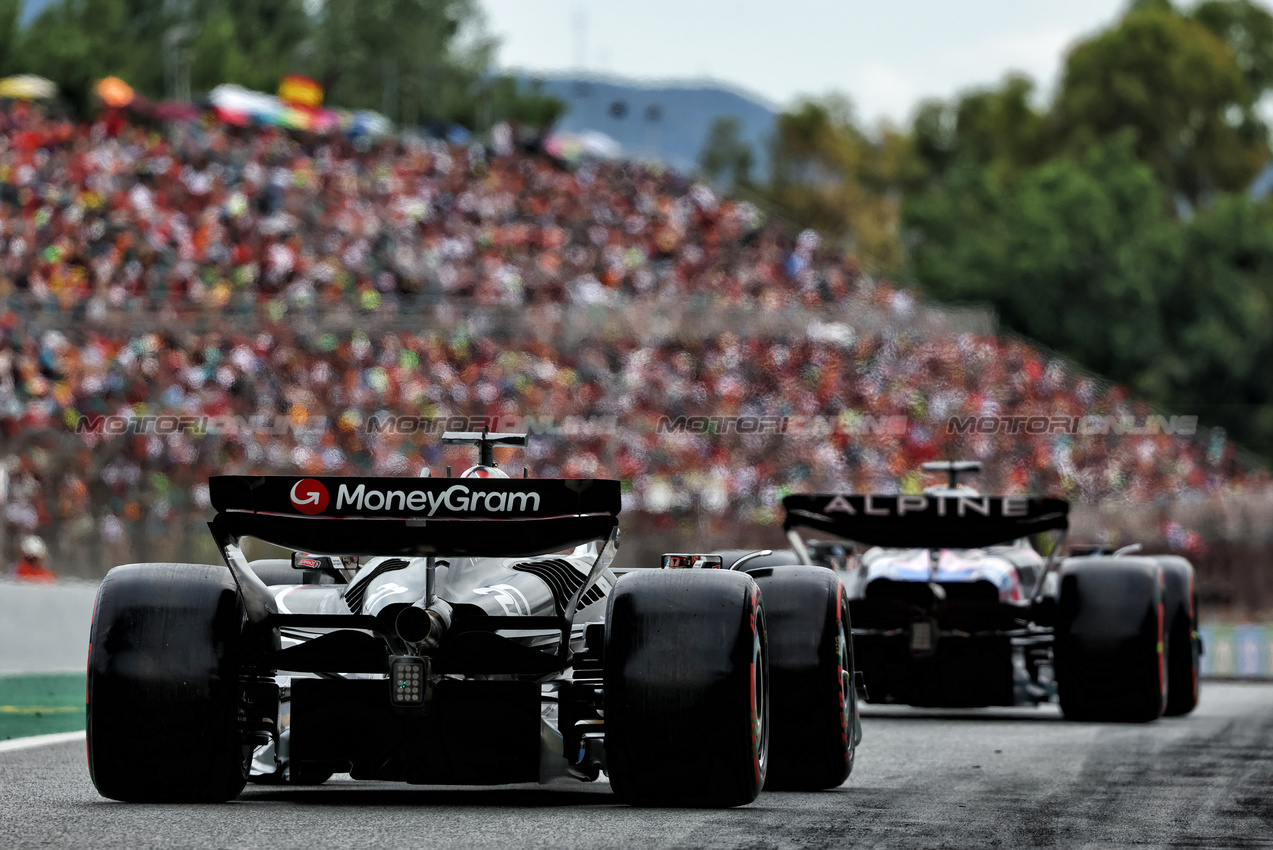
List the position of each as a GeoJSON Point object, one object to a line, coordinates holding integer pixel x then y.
{"type": "Point", "coordinates": [886, 56]}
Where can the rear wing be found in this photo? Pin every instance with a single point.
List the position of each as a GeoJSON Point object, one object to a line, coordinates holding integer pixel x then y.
{"type": "Point", "coordinates": [926, 522]}
{"type": "Point", "coordinates": [476, 517]}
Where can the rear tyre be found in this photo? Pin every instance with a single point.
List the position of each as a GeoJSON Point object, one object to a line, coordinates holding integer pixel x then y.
{"type": "Point", "coordinates": [813, 703]}
{"type": "Point", "coordinates": [686, 688]}
{"type": "Point", "coordinates": [1180, 609]}
{"type": "Point", "coordinates": [1108, 652]}
{"type": "Point", "coordinates": [163, 685]}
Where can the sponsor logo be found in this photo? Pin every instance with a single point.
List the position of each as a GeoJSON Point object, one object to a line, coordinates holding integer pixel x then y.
{"type": "Point", "coordinates": [960, 506]}
{"type": "Point", "coordinates": [509, 598]}
{"type": "Point", "coordinates": [309, 496]}
{"type": "Point", "coordinates": [457, 499]}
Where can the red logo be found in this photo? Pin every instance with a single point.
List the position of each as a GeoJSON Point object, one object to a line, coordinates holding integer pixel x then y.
{"type": "Point", "coordinates": [309, 496]}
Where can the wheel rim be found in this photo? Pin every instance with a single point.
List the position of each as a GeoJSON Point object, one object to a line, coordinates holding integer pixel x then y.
{"type": "Point", "coordinates": [759, 699]}
{"type": "Point", "coordinates": [846, 677]}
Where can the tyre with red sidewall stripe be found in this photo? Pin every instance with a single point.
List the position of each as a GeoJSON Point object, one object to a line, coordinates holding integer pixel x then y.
{"type": "Point", "coordinates": [686, 681]}
{"type": "Point", "coordinates": [163, 685]}
{"type": "Point", "coordinates": [812, 703]}
{"type": "Point", "coordinates": [1109, 645]}
{"type": "Point", "coordinates": [1183, 646]}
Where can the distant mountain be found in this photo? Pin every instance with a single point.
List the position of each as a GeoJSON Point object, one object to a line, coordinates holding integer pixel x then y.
{"type": "Point", "coordinates": [668, 121]}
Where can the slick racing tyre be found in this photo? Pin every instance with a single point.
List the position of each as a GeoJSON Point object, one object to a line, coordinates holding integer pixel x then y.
{"type": "Point", "coordinates": [686, 688]}
{"type": "Point", "coordinates": [163, 685]}
{"type": "Point", "coordinates": [1108, 652]}
{"type": "Point", "coordinates": [1180, 609]}
{"type": "Point", "coordinates": [814, 728]}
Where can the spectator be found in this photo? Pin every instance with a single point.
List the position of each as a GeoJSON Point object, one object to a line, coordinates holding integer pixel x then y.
{"type": "Point", "coordinates": [30, 565]}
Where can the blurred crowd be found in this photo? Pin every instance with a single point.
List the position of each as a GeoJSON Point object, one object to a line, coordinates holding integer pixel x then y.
{"type": "Point", "coordinates": [94, 457]}
{"type": "Point", "coordinates": [209, 217]}
{"type": "Point", "coordinates": [110, 433]}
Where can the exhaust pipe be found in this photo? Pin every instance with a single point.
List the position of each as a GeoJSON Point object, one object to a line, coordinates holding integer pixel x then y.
{"type": "Point", "coordinates": [424, 624]}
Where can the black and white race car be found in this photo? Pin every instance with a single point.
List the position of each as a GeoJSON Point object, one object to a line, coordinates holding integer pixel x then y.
{"type": "Point", "coordinates": [951, 607]}
{"type": "Point", "coordinates": [462, 631]}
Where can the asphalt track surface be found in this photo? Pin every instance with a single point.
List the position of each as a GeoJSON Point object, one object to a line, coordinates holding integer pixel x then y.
{"type": "Point", "coordinates": [989, 778]}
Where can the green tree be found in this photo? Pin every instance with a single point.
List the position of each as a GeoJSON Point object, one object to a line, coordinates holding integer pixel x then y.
{"type": "Point", "coordinates": [933, 136]}
{"type": "Point", "coordinates": [1067, 220]}
{"type": "Point", "coordinates": [9, 11]}
{"type": "Point", "coordinates": [727, 158]}
{"type": "Point", "coordinates": [76, 42]}
{"type": "Point", "coordinates": [417, 60]}
{"type": "Point", "coordinates": [1219, 318]}
{"type": "Point", "coordinates": [1059, 250]}
{"type": "Point", "coordinates": [1179, 87]}
{"type": "Point", "coordinates": [827, 174]}
{"type": "Point", "coordinates": [249, 42]}
{"type": "Point", "coordinates": [1083, 253]}
{"type": "Point", "coordinates": [1248, 30]}
{"type": "Point", "coordinates": [411, 59]}
{"type": "Point", "coordinates": [989, 125]}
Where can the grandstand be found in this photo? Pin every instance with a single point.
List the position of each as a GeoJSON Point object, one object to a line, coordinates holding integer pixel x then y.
{"type": "Point", "coordinates": [303, 288]}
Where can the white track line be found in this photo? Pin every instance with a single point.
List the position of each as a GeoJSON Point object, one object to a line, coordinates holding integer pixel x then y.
{"type": "Point", "coordinates": [40, 741]}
